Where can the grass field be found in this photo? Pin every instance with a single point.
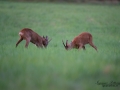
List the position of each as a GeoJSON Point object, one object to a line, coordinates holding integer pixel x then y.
{"type": "Point", "coordinates": [55, 68]}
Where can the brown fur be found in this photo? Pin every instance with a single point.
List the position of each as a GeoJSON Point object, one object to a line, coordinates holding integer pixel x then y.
{"type": "Point", "coordinates": [31, 36]}
{"type": "Point", "coordinates": [80, 41]}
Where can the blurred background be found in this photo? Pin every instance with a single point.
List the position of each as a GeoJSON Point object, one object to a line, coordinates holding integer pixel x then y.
{"type": "Point", "coordinates": [54, 68]}
{"type": "Point", "coordinates": [75, 1]}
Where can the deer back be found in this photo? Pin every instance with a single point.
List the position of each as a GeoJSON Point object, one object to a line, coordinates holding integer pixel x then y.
{"type": "Point", "coordinates": [83, 38]}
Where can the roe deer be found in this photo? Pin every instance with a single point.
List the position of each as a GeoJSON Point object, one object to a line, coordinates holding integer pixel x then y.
{"type": "Point", "coordinates": [80, 41]}
{"type": "Point", "coordinates": [31, 36]}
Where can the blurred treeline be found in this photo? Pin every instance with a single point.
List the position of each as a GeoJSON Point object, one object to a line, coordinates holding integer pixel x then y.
{"type": "Point", "coordinates": [75, 1]}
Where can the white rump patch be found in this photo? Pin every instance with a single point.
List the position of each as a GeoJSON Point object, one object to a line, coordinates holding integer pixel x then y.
{"type": "Point", "coordinates": [20, 33]}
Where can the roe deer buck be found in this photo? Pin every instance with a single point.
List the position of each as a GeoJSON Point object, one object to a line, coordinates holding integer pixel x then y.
{"type": "Point", "coordinates": [80, 41]}
{"type": "Point", "coordinates": [31, 36]}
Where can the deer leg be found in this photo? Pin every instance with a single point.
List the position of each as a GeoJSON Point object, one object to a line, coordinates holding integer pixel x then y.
{"type": "Point", "coordinates": [27, 42]}
{"type": "Point", "coordinates": [91, 44]}
{"type": "Point", "coordinates": [83, 47]}
{"type": "Point", "coordinates": [19, 41]}
{"type": "Point", "coordinates": [39, 46]}
{"type": "Point", "coordinates": [80, 46]}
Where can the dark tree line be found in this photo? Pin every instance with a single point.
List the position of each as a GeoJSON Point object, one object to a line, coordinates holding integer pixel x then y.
{"type": "Point", "coordinates": [75, 1]}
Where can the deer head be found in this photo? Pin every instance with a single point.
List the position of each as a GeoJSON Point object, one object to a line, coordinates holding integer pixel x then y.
{"type": "Point", "coordinates": [46, 41]}
{"type": "Point", "coordinates": [67, 46]}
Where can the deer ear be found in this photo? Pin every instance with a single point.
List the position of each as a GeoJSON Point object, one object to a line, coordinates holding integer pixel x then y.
{"type": "Point", "coordinates": [43, 37]}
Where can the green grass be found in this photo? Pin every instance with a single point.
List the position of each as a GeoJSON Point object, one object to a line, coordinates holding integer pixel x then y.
{"type": "Point", "coordinates": [55, 68]}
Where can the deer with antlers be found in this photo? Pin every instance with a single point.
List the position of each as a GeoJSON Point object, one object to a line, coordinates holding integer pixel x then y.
{"type": "Point", "coordinates": [31, 36]}
{"type": "Point", "coordinates": [80, 41]}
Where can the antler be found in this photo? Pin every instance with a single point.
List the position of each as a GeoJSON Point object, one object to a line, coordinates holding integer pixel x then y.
{"type": "Point", "coordinates": [49, 40]}
{"type": "Point", "coordinates": [64, 44]}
